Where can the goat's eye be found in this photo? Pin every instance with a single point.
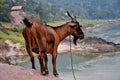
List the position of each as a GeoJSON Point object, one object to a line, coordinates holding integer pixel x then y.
{"type": "Point", "coordinates": [73, 26]}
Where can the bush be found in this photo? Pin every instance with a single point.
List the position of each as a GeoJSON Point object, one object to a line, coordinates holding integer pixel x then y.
{"type": "Point", "coordinates": [16, 39]}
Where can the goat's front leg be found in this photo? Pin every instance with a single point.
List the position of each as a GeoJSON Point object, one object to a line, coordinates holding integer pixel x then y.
{"type": "Point", "coordinates": [46, 61]}
{"type": "Point", "coordinates": [29, 50]}
{"type": "Point", "coordinates": [54, 56]}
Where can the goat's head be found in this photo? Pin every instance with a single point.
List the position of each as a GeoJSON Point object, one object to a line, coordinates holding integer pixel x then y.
{"type": "Point", "coordinates": [75, 29]}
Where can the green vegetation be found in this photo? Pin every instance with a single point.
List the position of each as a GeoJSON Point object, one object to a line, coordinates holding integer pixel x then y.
{"type": "Point", "coordinates": [5, 10]}
{"type": "Point", "coordinates": [14, 34]}
{"type": "Point", "coordinates": [14, 38]}
{"type": "Point", "coordinates": [85, 22]}
{"type": "Point", "coordinates": [89, 23]}
{"type": "Point", "coordinates": [89, 9]}
{"type": "Point", "coordinates": [2, 60]}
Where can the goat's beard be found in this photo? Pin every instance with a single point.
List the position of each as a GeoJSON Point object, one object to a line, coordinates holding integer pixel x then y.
{"type": "Point", "coordinates": [75, 40]}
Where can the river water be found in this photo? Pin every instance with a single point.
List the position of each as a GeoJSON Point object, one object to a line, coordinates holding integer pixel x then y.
{"type": "Point", "coordinates": [101, 67]}
{"type": "Point", "coordinates": [109, 32]}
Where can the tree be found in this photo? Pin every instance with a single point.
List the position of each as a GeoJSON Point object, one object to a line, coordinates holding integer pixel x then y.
{"type": "Point", "coordinates": [4, 10]}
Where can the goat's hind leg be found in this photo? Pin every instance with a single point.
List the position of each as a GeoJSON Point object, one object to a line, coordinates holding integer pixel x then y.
{"type": "Point", "coordinates": [42, 65]}
{"type": "Point", "coordinates": [33, 62]}
{"type": "Point", "coordinates": [54, 56]}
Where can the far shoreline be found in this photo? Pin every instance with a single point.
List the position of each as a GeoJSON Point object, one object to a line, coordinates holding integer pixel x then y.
{"type": "Point", "coordinates": [98, 25]}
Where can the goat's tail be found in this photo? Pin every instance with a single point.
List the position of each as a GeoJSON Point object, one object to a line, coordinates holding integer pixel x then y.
{"type": "Point", "coordinates": [27, 23]}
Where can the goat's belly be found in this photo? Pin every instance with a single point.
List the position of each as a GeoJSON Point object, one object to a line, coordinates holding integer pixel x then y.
{"type": "Point", "coordinates": [35, 49]}
{"type": "Point", "coordinates": [49, 49]}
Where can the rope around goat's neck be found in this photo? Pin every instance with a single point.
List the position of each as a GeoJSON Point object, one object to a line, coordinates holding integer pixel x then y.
{"type": "Point", "coordinates": [71, 59]}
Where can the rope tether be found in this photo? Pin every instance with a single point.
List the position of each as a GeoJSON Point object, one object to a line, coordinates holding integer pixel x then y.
{"type": "Point", "coordinates": [72, 59]}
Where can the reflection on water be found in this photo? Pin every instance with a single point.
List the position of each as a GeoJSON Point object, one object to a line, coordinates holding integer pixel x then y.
{"type": "Point", "coordinates": [90, 66]}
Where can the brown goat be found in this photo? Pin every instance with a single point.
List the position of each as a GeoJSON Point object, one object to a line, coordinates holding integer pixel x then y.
{"type": "Point", "coordinates": [55, 35]}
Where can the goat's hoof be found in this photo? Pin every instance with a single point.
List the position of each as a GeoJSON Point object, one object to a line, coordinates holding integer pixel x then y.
{"type": "Point", "coordinates": [56, 74]}
{"type": "Point", "coordinates": [47, 72]}
{"type": "Point", "coordinates": [43, 73]}
{"type": "Point", "coordinates": [34, 68]}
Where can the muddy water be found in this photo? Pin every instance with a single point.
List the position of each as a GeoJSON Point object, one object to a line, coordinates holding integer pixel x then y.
{"type": "Point", "coordinates": [90, 67]}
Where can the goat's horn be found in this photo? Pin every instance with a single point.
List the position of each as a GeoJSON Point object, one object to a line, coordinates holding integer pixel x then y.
{"type": "Point", "coordinates": [74, 18]}
{"type": "Point", "coordinates": [69, 15]}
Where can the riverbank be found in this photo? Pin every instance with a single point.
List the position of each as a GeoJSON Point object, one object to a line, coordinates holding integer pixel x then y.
{"type": "Point", "coordinates": [89, 45]}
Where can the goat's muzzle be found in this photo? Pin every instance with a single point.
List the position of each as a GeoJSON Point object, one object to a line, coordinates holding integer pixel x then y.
{"type": "Point", "coordinates": [76, 38]}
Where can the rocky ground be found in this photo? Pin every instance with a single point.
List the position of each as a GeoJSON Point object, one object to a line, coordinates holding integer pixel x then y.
{"type": "Point", "coordinates": [10, 72]}
{"type": "Point", "coordinates": [13, 53]}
